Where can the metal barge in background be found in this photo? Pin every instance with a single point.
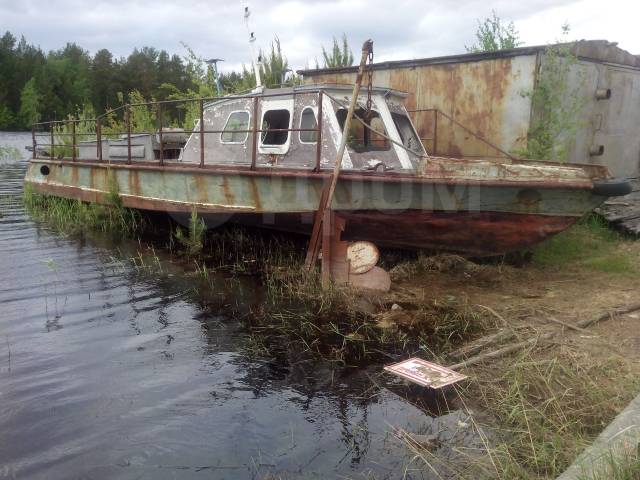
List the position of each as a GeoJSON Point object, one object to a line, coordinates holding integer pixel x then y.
{"type": "Point", "coordinates": [484, 91]}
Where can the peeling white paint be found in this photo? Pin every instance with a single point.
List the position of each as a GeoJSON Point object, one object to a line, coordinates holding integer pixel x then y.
{"type": "Point", "coordinates": [330, 119]}
{"type": "Point", "coordinates": [392, 132]}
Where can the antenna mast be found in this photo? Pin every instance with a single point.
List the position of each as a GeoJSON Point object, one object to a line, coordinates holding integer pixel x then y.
{"type": "Point", "coordinates": [252, 40]}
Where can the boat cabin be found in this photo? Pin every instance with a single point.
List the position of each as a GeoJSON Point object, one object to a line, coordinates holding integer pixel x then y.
{"type": "Point", "coordinates": [288, 133]}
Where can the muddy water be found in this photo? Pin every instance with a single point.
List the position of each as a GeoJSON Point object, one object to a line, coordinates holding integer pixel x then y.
{"type": "Point", "coordinates": [109, 371]}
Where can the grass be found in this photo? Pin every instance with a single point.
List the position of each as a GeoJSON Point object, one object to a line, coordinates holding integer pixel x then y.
{"type": "Point", "coordinates": [338, 324]}
{"type": "Point", "coordinates": [193, 240]}
{"type": "Point", "coordinates": [9, 153]}
{"type": "Point", "coordinates": [540, 412]}
{"type": "Point", "coordinates": [547, 408]}
{"type": "Point", "coordinates": [616, 467]}
{"type": "Point", "coordinates": [75, 216]}
{"type": "Point", "coordinates": [590, 245]}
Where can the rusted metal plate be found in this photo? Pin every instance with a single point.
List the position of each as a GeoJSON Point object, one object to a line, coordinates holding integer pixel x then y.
{"type": "Point", "coordinates": [425, 373]}
{"type": "Point", "coordinates": [485, 96]}
{"type": "Point", "coordinates": [472, 233]}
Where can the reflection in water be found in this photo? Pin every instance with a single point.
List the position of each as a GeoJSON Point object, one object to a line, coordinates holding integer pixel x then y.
{"type": "Point", "coordinates": [112, 371]}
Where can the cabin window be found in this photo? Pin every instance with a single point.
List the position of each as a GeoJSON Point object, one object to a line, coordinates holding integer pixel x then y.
{"type": "Point", "coordinates": [272, 122]}
{"type": "Point", "coordinates": [308, 120]}
{"type": "Point", "coordinates": [235, 130]}
{"type": "Point", "coordinates": [406, 131]}
{"type": "Point", "coordinates": [363, 139]}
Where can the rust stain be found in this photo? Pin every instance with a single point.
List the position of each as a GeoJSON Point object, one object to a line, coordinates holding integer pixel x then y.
{"type": "Point", "coordinates": [472, 232]}
{"type": "Point", "coordinates": [92, 177]}
{"type": "Point", "coordinates": [134, 183]}
{"type": "Point", "coordinates": [481, 89]}
{"type": "Point", "coordinates": [74, 175]}
{"type": "Point", "coordinates": [229, 197]}
{"type": "Point", "coordinates": [476, 233]}
{"type": "Point", "coordinates": [454, 150]}
{"type": "Point", "coordinates": [201, 189]}
{"type": "Point", "coordinates": [256, 194]}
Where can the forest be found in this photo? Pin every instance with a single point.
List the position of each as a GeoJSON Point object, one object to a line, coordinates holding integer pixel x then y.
{"type": "Point", "coordinates": [38, 86]}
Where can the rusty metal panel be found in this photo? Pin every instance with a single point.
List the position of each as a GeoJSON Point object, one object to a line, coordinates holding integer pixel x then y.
{"type": "Point", "coordinates": [606, 126]}
{"type": "Point", "coordinates": [486, 96]}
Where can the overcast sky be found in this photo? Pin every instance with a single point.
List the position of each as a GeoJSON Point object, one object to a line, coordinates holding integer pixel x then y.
{"type": "Point", "coordinates": [401, 29]}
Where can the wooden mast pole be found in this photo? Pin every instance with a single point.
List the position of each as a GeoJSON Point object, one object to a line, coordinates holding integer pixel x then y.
{"type": "Point", "coordinates": [328, 191]}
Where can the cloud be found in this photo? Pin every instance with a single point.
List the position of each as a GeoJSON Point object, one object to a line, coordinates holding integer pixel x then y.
{"type": "Point", "coordinates": [399, 28]}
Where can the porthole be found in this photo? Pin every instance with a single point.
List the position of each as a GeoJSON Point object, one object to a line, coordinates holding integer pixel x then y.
{"type": "Point", "coordinates": [44, 170]}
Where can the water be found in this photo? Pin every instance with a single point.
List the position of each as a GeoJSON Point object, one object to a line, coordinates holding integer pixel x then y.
{"type": "Point", "coordinates": [110, 372]}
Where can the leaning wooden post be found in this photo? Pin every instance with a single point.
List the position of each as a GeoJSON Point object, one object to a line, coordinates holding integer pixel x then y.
{"type": "Point", "coordinates": [327, 196]}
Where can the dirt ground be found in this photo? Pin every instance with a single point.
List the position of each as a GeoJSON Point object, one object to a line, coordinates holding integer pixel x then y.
{"type": "Point", "coordinates": [552, 397]}
{"type": "Point", "coordinates": [530, 296]}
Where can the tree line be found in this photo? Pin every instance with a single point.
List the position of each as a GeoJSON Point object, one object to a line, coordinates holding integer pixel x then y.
{"type": "Point", "coordinates": [38, 86]}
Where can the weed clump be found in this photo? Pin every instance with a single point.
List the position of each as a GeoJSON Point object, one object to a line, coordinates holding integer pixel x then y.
{"type": "Point", "coordinates": [337, 323]}
{"type": "Point", "coordinates": [193, 240]}
{"type": "Point", "coordinates": [9, 153]}
{"type": "Point", "coordinates": [75, 216]}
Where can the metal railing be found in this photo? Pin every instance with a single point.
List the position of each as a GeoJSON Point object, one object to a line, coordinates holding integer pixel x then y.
{"type": "Point", "coordinates": [437, 112]}
{"type": "Point", "coordinates": [49, 128]}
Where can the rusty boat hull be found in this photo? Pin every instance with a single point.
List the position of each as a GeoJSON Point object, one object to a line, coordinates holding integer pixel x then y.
{"type": "Point", "coordinates": [470, 207]}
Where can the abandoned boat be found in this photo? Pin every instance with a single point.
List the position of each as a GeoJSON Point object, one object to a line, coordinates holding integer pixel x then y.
{"type": "Point", "coordinates": [264, 159]}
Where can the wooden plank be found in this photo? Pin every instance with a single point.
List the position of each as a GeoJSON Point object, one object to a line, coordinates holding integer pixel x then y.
{"type": "Point", "coordinates": [325, 204]}
{"type": "Point", "coordinates": [624, 212]}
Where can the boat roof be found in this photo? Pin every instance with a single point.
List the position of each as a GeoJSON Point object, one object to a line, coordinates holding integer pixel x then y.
{"type": "Point", "coordinates": [283, 92]}
{"type": "Point", "coordinates": [386, 91]}
{"type": "Point", "coordinates": [335, 87]}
